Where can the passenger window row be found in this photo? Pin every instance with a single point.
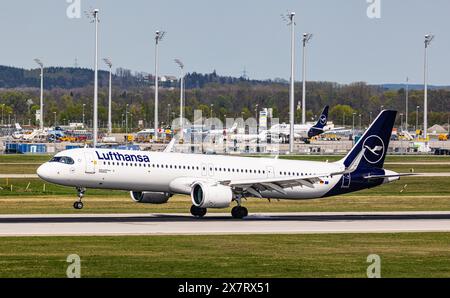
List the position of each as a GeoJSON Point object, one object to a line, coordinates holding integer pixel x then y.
{"type": "Point", "coordinates": [294, 174]}
{"type": "Point", "coordinates": [159, 166]}
{"type": "Point", "coordinates": [299, 174]}
{"type": "Point", "coordinates": [217, 169]}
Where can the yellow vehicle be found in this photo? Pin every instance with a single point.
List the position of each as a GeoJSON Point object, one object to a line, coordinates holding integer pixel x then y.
{"type": "Point", "coordinates": [443, 137]}
{"type": "Point", "coordinates": [67, 139]}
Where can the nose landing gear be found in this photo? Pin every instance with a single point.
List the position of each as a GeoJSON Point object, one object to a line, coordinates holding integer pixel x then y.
{"type": "Point", "coordinates": [79, 204]}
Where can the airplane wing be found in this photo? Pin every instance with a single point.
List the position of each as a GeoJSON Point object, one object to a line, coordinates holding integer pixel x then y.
{"type": "Point", "coordinates": [337, 130]}
{"type": "Point", "coordinates": [170, 146]}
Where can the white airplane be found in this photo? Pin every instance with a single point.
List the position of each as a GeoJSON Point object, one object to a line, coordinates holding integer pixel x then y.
{"type": "Point", "coordinates": [280, 132]}
{"type": "Point", "coordinates": [215, 181]}
{"type": "Point", "coordinates": [303, 131]}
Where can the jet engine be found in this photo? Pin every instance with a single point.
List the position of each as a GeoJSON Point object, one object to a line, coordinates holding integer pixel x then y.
{"type": "Point", "coordinates": [150, 197]}
{"type": "Point", "coordinates": [211, 195]}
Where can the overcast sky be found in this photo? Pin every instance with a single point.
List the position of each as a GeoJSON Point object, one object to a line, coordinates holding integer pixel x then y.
{"type": "Point", "coordinates": [231, 35]}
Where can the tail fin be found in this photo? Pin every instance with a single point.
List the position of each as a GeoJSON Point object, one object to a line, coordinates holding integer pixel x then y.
{"type": "Point", "coordinates": [374, 142]}
{"type": "Point", "coordinates": [317, 129]}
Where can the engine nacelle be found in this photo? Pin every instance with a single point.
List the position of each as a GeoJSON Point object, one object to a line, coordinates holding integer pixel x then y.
{"type": "Point", "coordinates": [150, 197]}
{"type": "Point", "coordinates": [211, 195]}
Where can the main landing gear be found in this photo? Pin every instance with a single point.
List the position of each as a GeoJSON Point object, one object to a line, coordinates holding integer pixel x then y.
{"type": "Point", "coordinates": [79, 204]}
{"type": "Point", "coordinates": [198, 211]}
{"type": "Point", "coordinates": [239, 212]}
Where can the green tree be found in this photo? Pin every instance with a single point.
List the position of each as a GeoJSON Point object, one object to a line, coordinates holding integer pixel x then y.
{"type": "Point", "coordinates": [341, 114]}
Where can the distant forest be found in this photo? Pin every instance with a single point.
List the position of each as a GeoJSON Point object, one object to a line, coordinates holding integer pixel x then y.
{"type": "Point", "coordinates": [71, 78]}
{"type": "Point", "coordinates": [68, 89]}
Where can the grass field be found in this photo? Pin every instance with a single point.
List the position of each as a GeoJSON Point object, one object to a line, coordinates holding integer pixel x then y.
{"type": "Point", "coordinates": [410, 193]}
{"type": "Point", "coordinates": [420, 193]}
{"type": "Point", "coordinates": [24, 158]}
{"type": "Point", "coordinates": [326, 255]}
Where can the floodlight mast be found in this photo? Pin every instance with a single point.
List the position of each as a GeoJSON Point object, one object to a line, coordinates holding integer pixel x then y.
{"type": "Point", "coordinates": [109, 63]}
{"type": "Point", "coordinates": [158, 37]}
{"type": "Point", "coordinates": [291, 22]}
{"type": "Point", "coordinates": [41, 116]}
{"type": "Point", "coordinates": [406, 104]}
{"type": "Point", "coordinates": [306, 38]}
{"type": "Point", "coordinates": [428, 39]}
{"type": "Point", "coordinates": [95, 121]}
{"type": "Point", "coordinates": [181, 65]}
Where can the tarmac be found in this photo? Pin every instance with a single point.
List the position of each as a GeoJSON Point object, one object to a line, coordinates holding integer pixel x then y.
{"type": "Point", "coordinates": [223, 224]}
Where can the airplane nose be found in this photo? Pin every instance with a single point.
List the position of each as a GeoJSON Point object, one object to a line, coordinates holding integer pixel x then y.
{"type": "Point", "coordinates": [43, 172]}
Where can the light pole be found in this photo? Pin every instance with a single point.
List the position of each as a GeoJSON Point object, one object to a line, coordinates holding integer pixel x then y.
{"type": "Point", "coordinates": [54, 114]}
{"type": "Point", "coordinates": [126, 120]}
{"type": "Point", "coordinates": [95, 120]}
{"type": "Point", "coordinates": [360, 122]}
{"type": "Point", "coordinates": [370, 118]}
{"type": "Point", "coordinates": [84, 105]}
{"type": "Point", "coordinates": [291, 22]}
{"type": "Point", "coordinates": [211, 112]}
{"type": "Point", "coordinates": [41, 116]}
{"type": "Point", "coordinates": [306, 38]}
{"type": "Point", "coordinates": [168, 113]}
{"type": "Point", "coordinates": [3, 110]}
{"type": "Point", "coordinates": [181, 65]}
{"type": "Point", "coordinates": [382, 108]}
{"type": "Point", "coordinates": [158, 37]}
{"type": "Point", "coordinates": [131, 122]}
{"type": "Point", "coordinates": [406, 105]}
{"type": "Point", "coordinates": [448, 124]}
{"type": "Point", "coordinates": [401, 122]}
{"type": "Point", "coordinates": [353, 124]}
{"type": "Point", "coordinates": [109, 63]}
{"type": "Point", "coordinates": [417, 117]}
{"type": "Point", "coordinates": [428, 39]}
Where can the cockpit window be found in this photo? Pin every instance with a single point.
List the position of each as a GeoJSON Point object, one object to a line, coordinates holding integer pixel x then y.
{"type": "Point", "coordinates": [63, 159]}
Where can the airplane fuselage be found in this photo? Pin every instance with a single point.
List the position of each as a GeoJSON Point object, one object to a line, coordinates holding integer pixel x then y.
{"type": "Point", "coordinates": [175, 172]}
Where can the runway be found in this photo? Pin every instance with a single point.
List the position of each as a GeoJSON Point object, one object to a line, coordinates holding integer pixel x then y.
{"type": "Point", "coordinates": [221, 224]}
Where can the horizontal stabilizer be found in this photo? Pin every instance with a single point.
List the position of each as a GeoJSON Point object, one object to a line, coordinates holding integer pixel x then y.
{"type": "Point", "coordinates": [388, 176]}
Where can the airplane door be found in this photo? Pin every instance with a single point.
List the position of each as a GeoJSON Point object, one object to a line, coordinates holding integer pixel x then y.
{"type": "Point", "coordinates": [90, 163]}
{"type": "Point", "coordinates": [270, 172]}
{"type": "Point", "coordinates": [346, 179]}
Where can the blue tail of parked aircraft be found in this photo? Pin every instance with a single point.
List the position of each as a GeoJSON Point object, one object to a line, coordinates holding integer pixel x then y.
{"type": "Point", "coordinates": [317, 129]}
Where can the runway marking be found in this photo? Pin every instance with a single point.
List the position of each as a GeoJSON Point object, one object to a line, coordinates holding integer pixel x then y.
{"type": "Point", "coordinates": [220, 223]}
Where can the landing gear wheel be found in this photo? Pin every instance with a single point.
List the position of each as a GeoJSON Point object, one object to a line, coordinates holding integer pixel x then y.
{"type": "Point", "coordinates": [239, 212]}
{"type": "Point", "coordinates": [78, 205]}
{"type": "Point", "coordinates": [197, 211]}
